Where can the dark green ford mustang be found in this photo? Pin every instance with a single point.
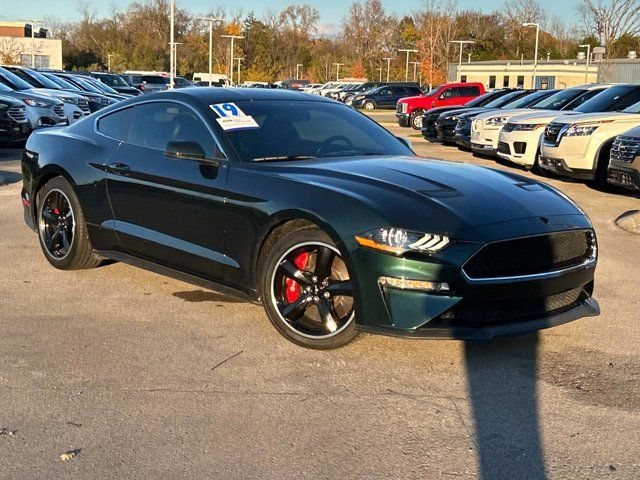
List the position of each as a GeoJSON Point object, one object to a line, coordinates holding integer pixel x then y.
{"type": "Point", "coordinates": [313, 209]}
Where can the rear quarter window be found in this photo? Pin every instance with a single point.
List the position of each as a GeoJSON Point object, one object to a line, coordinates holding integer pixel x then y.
{"type": "Point", "coordinates": [116, 125]}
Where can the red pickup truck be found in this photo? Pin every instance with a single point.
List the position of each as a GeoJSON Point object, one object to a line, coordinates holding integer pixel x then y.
{"type": "Point", "coordinates": [409, 110]}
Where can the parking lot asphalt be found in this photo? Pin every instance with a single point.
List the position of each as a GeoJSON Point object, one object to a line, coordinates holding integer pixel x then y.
{"type": "Point", "coordinates": [147, 377]}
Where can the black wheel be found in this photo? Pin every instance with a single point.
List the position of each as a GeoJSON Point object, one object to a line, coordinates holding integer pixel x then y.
{"type": "Point", "coordinates": [416, 119]}
{"type": "Point", "coordinates": [307, 291]}
{"type": "Point", "coordinates": [369, 105]}
{"type": "Point", "coordinates": [61, 227]}
{"type": "Point", "coordinates": [600, 182]}
{"type": "Point", "coordinates": [537, 169]}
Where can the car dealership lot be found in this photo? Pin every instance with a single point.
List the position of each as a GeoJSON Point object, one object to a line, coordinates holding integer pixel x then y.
{"type": "Point", "coordinates": [151, 377]}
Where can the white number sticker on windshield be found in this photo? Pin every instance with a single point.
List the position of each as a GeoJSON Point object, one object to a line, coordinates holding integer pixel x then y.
{"type": "Point", "coordinates": [230, 117]}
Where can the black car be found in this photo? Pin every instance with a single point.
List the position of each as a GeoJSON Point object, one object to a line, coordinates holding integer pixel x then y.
{"type": "Point", "coordinates": [14, 125]}
{"type": "Point", "coordinates": [313, 209]}
{"type": "Point", "coordinates": [95, 101]}
{"type": "Point", "coordinates": [455, 127]}
{"type": "Point", "coordinates": [116, 82]}
{"type": "Point", "coordinates": [386, 96]}
{"type": "Point", "coordinates": [429, 130]}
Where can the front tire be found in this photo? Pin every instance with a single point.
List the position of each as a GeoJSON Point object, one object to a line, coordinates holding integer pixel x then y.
{"type": "Point", "coordinates": [307, 291]}
{"type": "Point", "coordinates": [62, 230]}
{"type": "Point", "coordinates": [416, 119]}
{"type": "Point", "coordinates": [369, 105]}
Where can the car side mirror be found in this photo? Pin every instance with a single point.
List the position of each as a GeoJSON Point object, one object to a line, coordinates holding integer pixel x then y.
{"type": "Point", "coordinates": [185, 150]}
{"type": "Point", "coordinates": [407, 143]}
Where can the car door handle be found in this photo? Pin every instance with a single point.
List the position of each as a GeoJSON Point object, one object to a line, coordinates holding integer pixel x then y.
{"type": "Point", "coordinates": [119, 167]}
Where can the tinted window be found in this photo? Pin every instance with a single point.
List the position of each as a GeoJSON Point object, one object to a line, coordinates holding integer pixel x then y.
{"type": "Point", "coordinates": [614, 98]}
{"type": "Point", "coordinates": [158, 123]}
{"type": "Point", "coordinates": [450, 93]}
{"type": "Point", "coordinates": [529, 100]}
{"type": "Point", "coordinates": [154, 79]}
{"type": "Point", "coordinates": [585, 97]}
{"type": "Point", "coordinates": [13, 81]}
{"type": "Point", "coordinates": [469, 91]}
{"type": "Point", "coordinates": [483, 99]}
{"type": "Point", "coordinates": [506, 99]}
{"type": "Point", "coordinates": [560, 99]}
{"type": "Point", "coordinates": [413, 91]}
{"type": "Point", "coordinates": [309, 128]}
{"type": "Point", "coordinates": [116, 125]}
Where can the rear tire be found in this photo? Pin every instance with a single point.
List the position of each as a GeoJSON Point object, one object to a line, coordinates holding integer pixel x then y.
{"type": "Point", "coordinates": [62, 230]}
{"type": "Point", "coordinates": [320, 313]}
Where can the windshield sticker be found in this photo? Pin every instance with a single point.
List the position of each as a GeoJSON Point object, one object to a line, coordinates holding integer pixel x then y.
{"type": "Point", "coordinates": [230, 117]}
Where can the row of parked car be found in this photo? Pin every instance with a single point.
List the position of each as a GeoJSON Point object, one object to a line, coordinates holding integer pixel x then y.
{"type": "Point", "coordinates": [589, 133]}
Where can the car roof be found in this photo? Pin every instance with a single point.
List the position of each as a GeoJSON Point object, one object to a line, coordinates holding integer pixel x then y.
{"type": "Point", "coordinates": [227, 95]}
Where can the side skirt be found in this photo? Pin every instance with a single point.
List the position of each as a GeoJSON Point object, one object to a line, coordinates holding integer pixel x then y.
{"type": "Point", "coordinates": [177, 274]}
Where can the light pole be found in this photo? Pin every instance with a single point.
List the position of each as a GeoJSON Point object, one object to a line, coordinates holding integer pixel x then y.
{"type": "Point", "coordinates": [174, 72]}
{"type": "Point", "coordinates": [210, 20]}
{"type": "Point", "coordinates": [380, 70]}
{"type": "Point", "coordinates": [172, 58]}
{"type": "Point", "coordinates": [109, 62]}
{"type": "Point", "coordinates": [240, 60]}
{"type": "Point", "coordinates": [535, 60]}
{"type": "Point", "coordinates": [388, 59]}
{"type": "Point", "coordinates": [462, 44]}
{"type": "Point", "coordinates": [232, 37]}
{"type": "Point", "coordinates": [415, 69]}
{"type": "Point", "coordinates": [406, 71]}
{"type": "Point", "coordinates": [298, 70]}
{"type": "Point", "coordinates": [588, 62]}
{"type": "Point", "coordinates": [338, 65]}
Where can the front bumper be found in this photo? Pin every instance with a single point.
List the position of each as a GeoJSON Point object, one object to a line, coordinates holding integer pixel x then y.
{"type": "Point", "coordinates": [624, 176]}
{"type": "Point", "coordinates": [568, 159]}
{"type": "Point", "coordinates": [404, 119]}
{"type": "Point", "coordinates": [485, 141]}
{"type": "Point", "coordinates": [519, 147]}
{"type": "Point", "coordinates": [463, 139]}
{"type": "Point", "coordinates": [11, 131]}
{"type": "Point", "coordinates": [446, 131]}
{"type": "Point", "coordinates": [471, 309]}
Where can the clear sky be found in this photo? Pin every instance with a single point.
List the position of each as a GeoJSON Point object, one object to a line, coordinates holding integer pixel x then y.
{"type": "Point", "coordinates": [331, 11]}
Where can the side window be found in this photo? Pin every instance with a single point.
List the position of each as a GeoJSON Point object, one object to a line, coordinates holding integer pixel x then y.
{"type": "Point", "coordinates": [116, 125]}
{"type": "Point", "coordinates": [463, 79]}
{"type": "Point", "coordinates": [471, 91]}
{"type": "Point", "coordinates": [385, 91]}
{"type": "Point", "coordinates": [449, 93]}
{"type": "Point", "coordinates": [505, 81]}
{"type": "Point", "coordinates": [158, 123]}
{"type": "Point", "coordinates": [625, 102]}
{"type": "Point", "coordinates": [582, 98]}
{"type": "Point", "coordinates": [492, 81]}
{"type": "Point", "coordinates": [520, 81]}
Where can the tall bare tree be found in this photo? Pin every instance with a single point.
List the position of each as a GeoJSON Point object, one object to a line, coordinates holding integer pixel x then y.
{"type": "Point", "coordinates": [611, 19]}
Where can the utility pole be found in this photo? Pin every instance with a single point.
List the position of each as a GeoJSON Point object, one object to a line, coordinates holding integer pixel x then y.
{"type": "Point", "coordinates": [462, 44]}
{"type": "Point", "coordinates": [231, 63]}
{"type": "Point", "coordinates": [210, 20]}
{"type": "Point", "coordinates": [298, 70]}
{"type": "Point", "coordinates": [535, 60]}
{"type": "Point", "coordinates": [407, 51]}
{"type": "Point", "coordinates": [109, 62]}
{"type": "Point", "coordinates": [588, 62]}
{"type": "Point", "coordinates": [415, 69]}
{"type": "Point", "coordinates": [338, 65]}
{"type": "Point", "coordinates": [388, 59]}
{"type": "Point", "coordinates": [380, 70]}
{"type": "Point", "coordinates": [240, 60]}
{"type": "Point", "coordinates": [172, 57]}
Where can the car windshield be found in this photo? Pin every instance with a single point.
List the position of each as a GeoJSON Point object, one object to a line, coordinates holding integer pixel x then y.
{"type": "Point", "coordinates": [13, 81]}
{"type": "Point", "coordinates": [617, 98]}
{"type": "Point", "coordinates": [104, 88]}
{"type": "Point", "coordinates": [559, 100]}
{"type": "Point", "coordinates": [483, 100]}
{"type": "Point", "coordinates": [307, 129]}
{"type": "Point", "coordinates": [528, 100]}
{"type": "Point", "coordinates": [433, 91]}
{"type": "Point", "coordinates": [633, 108]}
{"type": "Point", "coordinates": [44, 81]}
{"type": "Point", "coordinates": [506, 99]}
{"type": "Point", "coordinates": [4, 88]}
{"type": "Point", "coordinates": [113, 80]}
{"type": "Point", "coordinates": [62, 83]}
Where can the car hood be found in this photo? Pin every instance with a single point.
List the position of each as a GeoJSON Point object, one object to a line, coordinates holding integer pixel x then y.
{"type": "Point", "coordinates": [596, 117]}
{"type": "Point", "coordinates": [435, 112]}
{"type": "Point", "coordinates": [421, 194]}
{"type": "Point", "coordinates": [504, 113]}
{"type": "Point", "coordinates": [469, 112]}
{"type": "Point", "coordinates": [411, 99]}
{"type": "Point", "coordinates": [545, 116]}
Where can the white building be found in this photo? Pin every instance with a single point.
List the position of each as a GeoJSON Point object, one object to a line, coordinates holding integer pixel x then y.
{"type": "Point", "coordinates": [19, 44]}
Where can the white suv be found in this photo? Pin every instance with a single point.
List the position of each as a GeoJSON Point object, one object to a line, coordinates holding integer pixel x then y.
{"type": "Point", "coordinates": [578, 146]}
{"type": "Point", "coordinates": [519, 140]}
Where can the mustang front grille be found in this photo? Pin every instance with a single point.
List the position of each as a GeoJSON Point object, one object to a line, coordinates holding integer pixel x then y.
{"type": "Point", "coordinates": [480, 313]}
{"type": "Point", "coordinates": [530, 256]}
{"type": "Point", "coordinates": [625, 149]}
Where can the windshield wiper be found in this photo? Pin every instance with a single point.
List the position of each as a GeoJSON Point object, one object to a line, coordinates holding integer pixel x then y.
{"type": "Point", "coordinates": [283, 157]}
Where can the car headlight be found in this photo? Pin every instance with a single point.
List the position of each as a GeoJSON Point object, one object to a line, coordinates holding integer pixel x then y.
{"type": "Point", "coordinates": [69, 100]}
{"type": "Point", "coordinates": [526, 127]}
{"type": "Point", "coordinates": [496, 121]}
{"type": "Point", "coordinates": [37, 103]}
{"type": "Point", "coordinates": [455, 118]}
{"type": "Point", "coordinates": [580, 130]}
{"type": "Point", "coordinates": [399, 241]}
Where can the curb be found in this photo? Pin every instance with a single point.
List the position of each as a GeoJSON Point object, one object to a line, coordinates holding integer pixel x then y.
{"type": "Point", "coordinates": [630, 221]}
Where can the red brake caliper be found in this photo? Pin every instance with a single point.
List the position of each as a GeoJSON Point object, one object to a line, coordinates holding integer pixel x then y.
{"type": "Point", "coordinates": [293, 287]}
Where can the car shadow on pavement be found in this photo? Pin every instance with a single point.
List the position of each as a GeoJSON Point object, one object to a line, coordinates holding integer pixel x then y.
{"type": "Point", "coordinates": [7, 178]}
{"type": "Point", "coordinates": [502, 384]}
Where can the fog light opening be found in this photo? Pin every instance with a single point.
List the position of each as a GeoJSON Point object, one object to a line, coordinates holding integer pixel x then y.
{"type": "Point", "coordinates": [408, 284]}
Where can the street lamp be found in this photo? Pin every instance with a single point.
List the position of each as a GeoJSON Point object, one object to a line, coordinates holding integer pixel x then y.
{"type": "Point", "coordinates": [174, 72]}
{"type": "Point", "coordinates": [380, 70]}
{"type": "Point", "coordinates": [338, 65]}
{"type": "Point", "coordinates": [388, 59]}
{"type": "Point", "coordinates": [239, 59]}
{"type": "Point", "coordinates": [172, 58]}
{"type": "Point", "coordinates": [210, 20]}
{"type": "Point", "coordinates": [232, 37]}
{"type": "Point", "coordinates": [588, 63]}
{"type": "Point", "coordinates": [109, 62]}
{"type": "Point", "coordinates": [298, 70]}
{"type": "Point", "coordinates": [535, 60]}
{"type": "Point", "coordinates": [415, 69]}
{"type": "Point", "coordinates": [462, 44]}
{"type": "Point", "coordinates": [407, 51]}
